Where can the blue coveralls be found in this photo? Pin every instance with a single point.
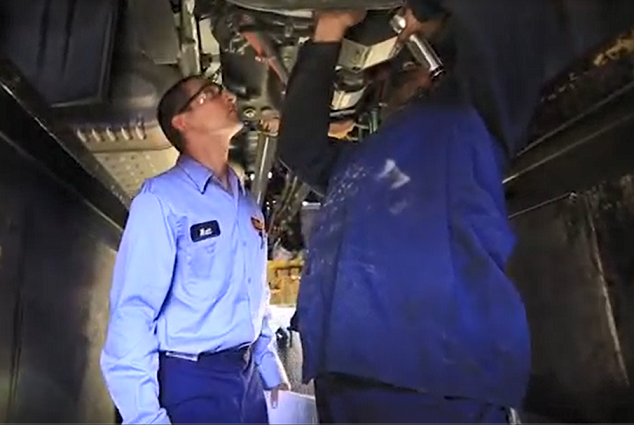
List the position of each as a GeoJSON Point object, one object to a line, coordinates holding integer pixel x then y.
{"type": "Point", "coordinates": [189, 339]}
{"type": "Point", "coordinates": [405, 311]}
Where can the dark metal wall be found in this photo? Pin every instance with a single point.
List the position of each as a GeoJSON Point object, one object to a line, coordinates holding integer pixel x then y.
{"type": "Point", "coordinates": [57, 245]}
{"type": "Point", "coordinates": [578, 372]}
{"type": "Point", "coordinates": [613, 216]}
{"type": "Point", "coordinates": [56, 257]}
{"type": "Point", "coordinates": [571, 199]}
{"type": "Point", "coordinates": [64, 47]}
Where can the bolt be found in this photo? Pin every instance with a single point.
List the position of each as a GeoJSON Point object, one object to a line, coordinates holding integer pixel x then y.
{"type": "Point", "coordinates": [139, 130]}
{"type": "Point", "coordinates": [126, 134]}
{"type": "Point", "coordinates": [80, 134]}
{"type": "Point", "coordinates": [110, 134]}
{"type": "Point", "coordinates": [96, 136]}
{"type": "Point", "coordinates": [249, 113]}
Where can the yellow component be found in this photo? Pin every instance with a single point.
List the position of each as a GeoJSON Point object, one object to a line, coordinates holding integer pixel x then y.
{"type": "Point", "coordinates": [283, 277]}
{"type": "Point", "coordinates": [623, 45]}
{"type": "Point", "coordinates": [340, 129]}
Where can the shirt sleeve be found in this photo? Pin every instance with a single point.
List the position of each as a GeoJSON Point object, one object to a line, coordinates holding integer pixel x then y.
{"type": "Point", "coordinates": [141, 281]}
{"type": "Point", "coordinates": [269, 365]}
{"type": "Point", "coordinates": [303, 142]}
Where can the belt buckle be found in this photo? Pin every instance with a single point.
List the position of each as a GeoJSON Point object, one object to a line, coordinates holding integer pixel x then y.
{"type": "Point", "coordinates": [182, 356]}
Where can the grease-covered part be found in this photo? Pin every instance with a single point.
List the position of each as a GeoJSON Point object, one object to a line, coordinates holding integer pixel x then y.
{"type": "Point", "coordinates": [586, 83]}
{"type": "Point", "coordinates": [581, 351]}
{"type": "Point", "coordinates": [316, 4]}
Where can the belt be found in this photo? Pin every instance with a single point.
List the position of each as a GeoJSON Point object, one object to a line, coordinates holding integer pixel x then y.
{"type": "Point", "coordinates": [244, 350]}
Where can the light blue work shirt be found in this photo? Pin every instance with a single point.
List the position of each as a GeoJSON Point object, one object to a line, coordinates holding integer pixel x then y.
{"type": "Point", "coordinates": [190, 277]}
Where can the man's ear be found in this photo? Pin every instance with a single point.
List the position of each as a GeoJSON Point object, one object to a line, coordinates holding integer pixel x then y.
{"type": "Point", "coordinates": [178, 122]}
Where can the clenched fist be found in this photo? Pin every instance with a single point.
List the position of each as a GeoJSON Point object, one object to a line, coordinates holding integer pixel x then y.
{"type": "Point", "coordinates": [333, 24]}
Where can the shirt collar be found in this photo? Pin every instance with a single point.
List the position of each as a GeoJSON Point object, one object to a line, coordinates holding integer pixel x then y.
{"type": "Point", "coordinates": [201, 175]}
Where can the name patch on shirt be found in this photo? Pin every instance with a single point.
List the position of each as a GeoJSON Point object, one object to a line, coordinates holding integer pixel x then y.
{"type": "Point", "coordinates": [206, 230]}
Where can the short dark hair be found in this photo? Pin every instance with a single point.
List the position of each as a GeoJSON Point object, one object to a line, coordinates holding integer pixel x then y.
{"type": "Point", "coordinates": [171, 104]}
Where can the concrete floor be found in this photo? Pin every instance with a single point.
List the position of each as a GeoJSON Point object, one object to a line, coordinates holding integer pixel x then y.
{"type": "Point", "coordinates": [291, 354]}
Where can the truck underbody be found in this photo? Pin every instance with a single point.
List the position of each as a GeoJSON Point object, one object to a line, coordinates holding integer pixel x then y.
{"type": "Point", "coordinates": [79, 86]}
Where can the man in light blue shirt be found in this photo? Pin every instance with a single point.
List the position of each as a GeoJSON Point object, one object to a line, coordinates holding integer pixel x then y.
{"type": "Point", "coordinates": [189, 339]}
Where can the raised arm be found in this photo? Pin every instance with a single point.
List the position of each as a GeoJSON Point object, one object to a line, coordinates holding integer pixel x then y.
{"type": "Point", "coordinates": [303, 142]}
{"type": "Point", "coordinates": [141, 281]}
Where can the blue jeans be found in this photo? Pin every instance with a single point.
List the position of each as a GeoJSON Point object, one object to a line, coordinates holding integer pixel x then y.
{"type": "Point", "coordinates": [223, 387]}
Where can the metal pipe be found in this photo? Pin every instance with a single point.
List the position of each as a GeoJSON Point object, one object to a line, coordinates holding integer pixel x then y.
{"type": "Point", "coordinates": [267, 145]}
{"type": "Point", "coordinates": [265, 50]}
{"type": "Point", "coordinates": [374, 120]}
{"type": "Point", "coordinates": [293, 196]}
{"type": "Point", "coordinates": [189, 60]}
{"type": "Point", "coordinates": [422, 51]}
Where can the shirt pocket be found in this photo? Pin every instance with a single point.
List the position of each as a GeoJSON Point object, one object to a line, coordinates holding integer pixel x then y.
{"type": "Point", "coordinates": [201, 258]}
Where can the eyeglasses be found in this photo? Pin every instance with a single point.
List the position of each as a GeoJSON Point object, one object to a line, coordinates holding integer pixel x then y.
{"type": "Point", "coordinates": [206, 93]}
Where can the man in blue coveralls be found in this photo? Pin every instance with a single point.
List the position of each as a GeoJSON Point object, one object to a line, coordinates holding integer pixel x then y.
{"type": "Point", "coordinates": [405, 311]}
{"type": "Point", "coordinates": [189, 339]}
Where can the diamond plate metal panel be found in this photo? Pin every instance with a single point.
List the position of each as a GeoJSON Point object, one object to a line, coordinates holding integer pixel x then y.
{"type": "Point", "coordinates": [131, 169]}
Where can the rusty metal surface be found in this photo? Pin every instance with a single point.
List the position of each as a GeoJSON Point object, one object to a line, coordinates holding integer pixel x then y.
{"type": "Point", "coordinates": [56, 257]}
{"type": "Point", "coordinates": [580, 132]}
{"type": "Point", "coordinates": [594, 149]}
{"type": "Point", "coordinates": [578, 372]}
{"type": "Point", "coordinates": [571, 199]}
{"type": "Point", "coordinates": [583, 85]}
{"type": "Point", "coordinates": [613, 215]}
{"type": "Point", "coordinates": [11, 257]}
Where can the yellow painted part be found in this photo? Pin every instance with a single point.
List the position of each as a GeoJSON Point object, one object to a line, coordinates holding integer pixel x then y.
{"type": "Point", "coordinates": [283, 277]}
{"type": "Point", "coordinates": [624, 45]}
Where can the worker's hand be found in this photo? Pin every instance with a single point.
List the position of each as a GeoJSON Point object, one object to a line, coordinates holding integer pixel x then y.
{"type": "Point", "coordinates": [270, 126]}
{"type": "Point", "coordinates": [413, 25]}
{"type": "Point", "coordinates": [275, 393]}
{"type": "Point", "coordinates": [333, 24]}
{"type": "Point", "coordinates": [340, 129]}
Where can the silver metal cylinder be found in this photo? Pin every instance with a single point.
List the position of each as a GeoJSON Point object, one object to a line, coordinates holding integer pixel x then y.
{"type": "Point", "coordinates": [422, 51]}
{"type": "Point", "coordinates": [267, 146]}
